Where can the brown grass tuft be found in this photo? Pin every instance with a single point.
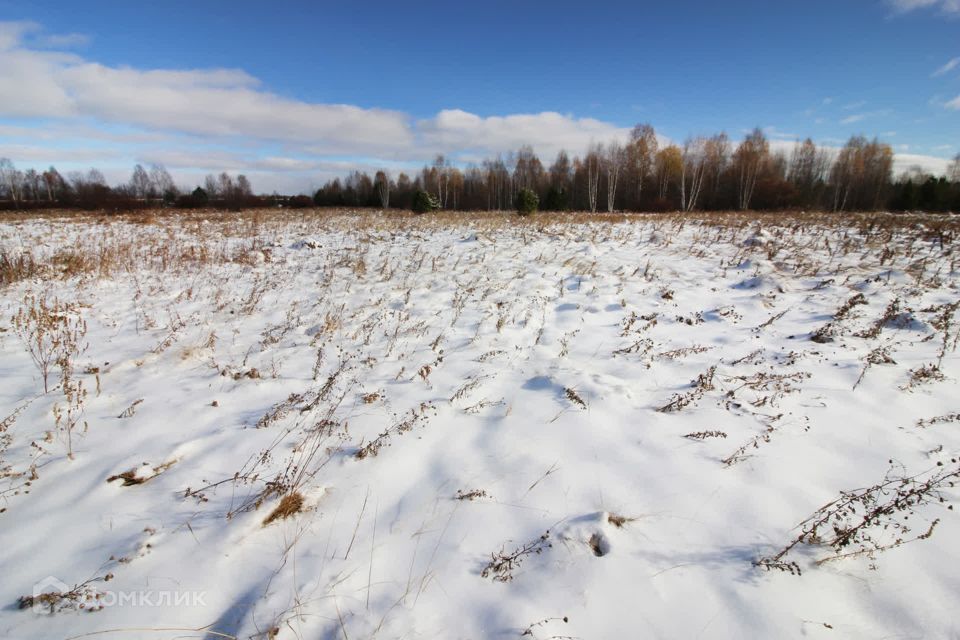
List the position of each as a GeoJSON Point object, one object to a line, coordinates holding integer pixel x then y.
{"type": "Point", "coordinates": [290, 504]}
{"type": "Point", "coordinates": [16, 267]}
{"type": "Point", "coordinates": [618, 521]}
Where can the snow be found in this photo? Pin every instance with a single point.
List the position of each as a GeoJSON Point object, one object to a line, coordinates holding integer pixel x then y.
{"type": "Point", "coordinates": [549, 366]}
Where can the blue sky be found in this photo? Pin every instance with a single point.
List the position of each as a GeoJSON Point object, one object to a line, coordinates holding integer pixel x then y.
{"type": "Point", "coordinates": [294, 92]}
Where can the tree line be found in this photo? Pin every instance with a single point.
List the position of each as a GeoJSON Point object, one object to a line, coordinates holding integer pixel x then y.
{"type": "Point", "coordinates": [32, 189]}
{"type": "Point", "coordinates": [704, 173]}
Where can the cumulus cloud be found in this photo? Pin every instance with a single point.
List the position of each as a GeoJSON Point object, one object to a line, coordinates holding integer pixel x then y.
{"type": "Point", "coordinates": [29, 87]}
{"type": "Point", "coordinates": [13, 33]}
{"type": "Point", "coordinates": [233, 161]}
{"type": "Point", "coordinates": [547, 132]}
{"type": "Point", "coordinates": [930, 164]}
{"type": "Point", "coordinates": [229, 103]}
{"type": "Point", "coordinates": [64, 132]}
{"type": "Point", "coordinates": [32, 154]}
{"type": "Point", "coordinates": [216, 102]}
{"type": "Point", "coordinates": [68, 109]}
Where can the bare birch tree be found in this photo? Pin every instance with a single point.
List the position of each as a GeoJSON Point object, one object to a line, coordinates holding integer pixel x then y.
{"type": "Point", "coordinates": [859, 174]}
{"type": "Point", "coordinates": [560, 172]}
{"type": "Point", "coordinates": [807, 169]}
{"type": "Point", "coordinates": [953, 170]}
{"type": "Point", "coordinates": [161, 183]}
{"type": "Point", "coordinates": [613, 161]}
{"type": "Point", "coordinates": [593, 162]}
{"type": "Point", "coordinates": [31, 184]}
{"type": "Point", "coordinates": [669, 161]}
{"type": "Point", "coordinates": [382, 184]}
{"type": "Point", "coordinates": [442, 168]}
{"type": "Point", "coordinates": [717, 151]}
{"type": "Point", "coordinates": [211, 187]}
{"type": "Point", "coordinates": [749, 160]}
{"type": "Point", "coordinates": [642, 153]}
{"type": "Point", "coordinates": [10, 179]}
{"type": "Point", "coordinates": [54, 184]}
{"type": "Point", "coordinates": [244, 189]}
{"type": "Point", "coordinates": [692, 171]}
{"type": "Point", "coordinates": [140, 183]}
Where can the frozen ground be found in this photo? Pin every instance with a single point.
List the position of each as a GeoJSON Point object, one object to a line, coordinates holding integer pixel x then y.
{"type": "Point", "coordinates": [478, 427]}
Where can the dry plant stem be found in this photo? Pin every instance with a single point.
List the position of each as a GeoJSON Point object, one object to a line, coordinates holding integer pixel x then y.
{"type": "Point", "coordinates": [862, 517]}
{"type": "Point", "coordinates": [503, 564]}
{"type": "Point", "coordinates": [205, 630]}
{"type": "Point", "coordinates": [946, 418]}
{"type": "Point", "coordinates": [52, 333]}
{"type": "Point", "coordinates": [371, 311]}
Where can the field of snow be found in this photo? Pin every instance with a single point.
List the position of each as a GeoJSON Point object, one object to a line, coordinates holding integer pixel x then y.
{"type": "Point", "coordinates": [364, 426]}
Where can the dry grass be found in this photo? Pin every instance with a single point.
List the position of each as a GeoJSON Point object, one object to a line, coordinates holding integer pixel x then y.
{"type": "Point", "coordinates": [180, 241]}
{"type": "Point", "coordinates": [290, 504]}
{"type": "Point", "coordinates": [15, 267]}
{"type": "Point", "coordinates": [351, 344]}
{"type": "Point", "coordinates": [874, 519]}
{"type": "Point", "coordinates": [619, 521]}
{"type": "Point", "coordinates": [133, 476]}
{"type": "Point", "coordinates": [503, 563]}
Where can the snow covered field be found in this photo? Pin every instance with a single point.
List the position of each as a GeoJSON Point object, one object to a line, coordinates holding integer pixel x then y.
{"type": "Point", "coordinates": [344, 426]}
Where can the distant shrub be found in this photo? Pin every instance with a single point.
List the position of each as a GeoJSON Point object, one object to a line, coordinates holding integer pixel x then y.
{"type": "Point", "coordinates": [527, 202]}
{"type": "Point", "coordinates": [196, 200]}
{"type": "Point", "coordinates": [170, 196]}
{"type": "Point", "coordinates": [300, 202]}
{"type": "Point", "coordinates": [424, 202]}
{"type": "Point", "coordinates": [555, 200]}
{"type": "Point", "coordinates": [660, 205]}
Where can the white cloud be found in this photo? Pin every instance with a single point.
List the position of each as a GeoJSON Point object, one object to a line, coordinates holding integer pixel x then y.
{"type": "Point", "coordinates": [934, 165]}
{"type": "Point", "coordinates": [774, 132]}
{"type": "Point", "coordinates": [226, 104]}
{"type": "Point", "coordinates": [930, 164]}
{"type": "Point", "coordinates": [947, 68]}
{"type": "Point", "coordinates": [12, 32]}
{"type": "Point", "coordinates": [857, 117]}
{"type": "Point", "coordinates": [953, 104]}
{"type": "Point", "coordinates": [64, 132]}
{"type": "Point", "coordinates": [63, 40]}
{"type": "Point", "coordinates": [215, 161]}
{"type": "Point", "coordinates": [910, 5]}
{"type": "Point", "coordinates": [74, 112]}
{"type": "Point", "coordinates": [43, 156]}
{"type": "Point", "coordinates": [547, 132]}
{"type": "Point", "coordinates": [206, 102]}
{"type": "Point", "coordinates": [950, 7]}
{"type": "Point", "coordinates": [29, 86]}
